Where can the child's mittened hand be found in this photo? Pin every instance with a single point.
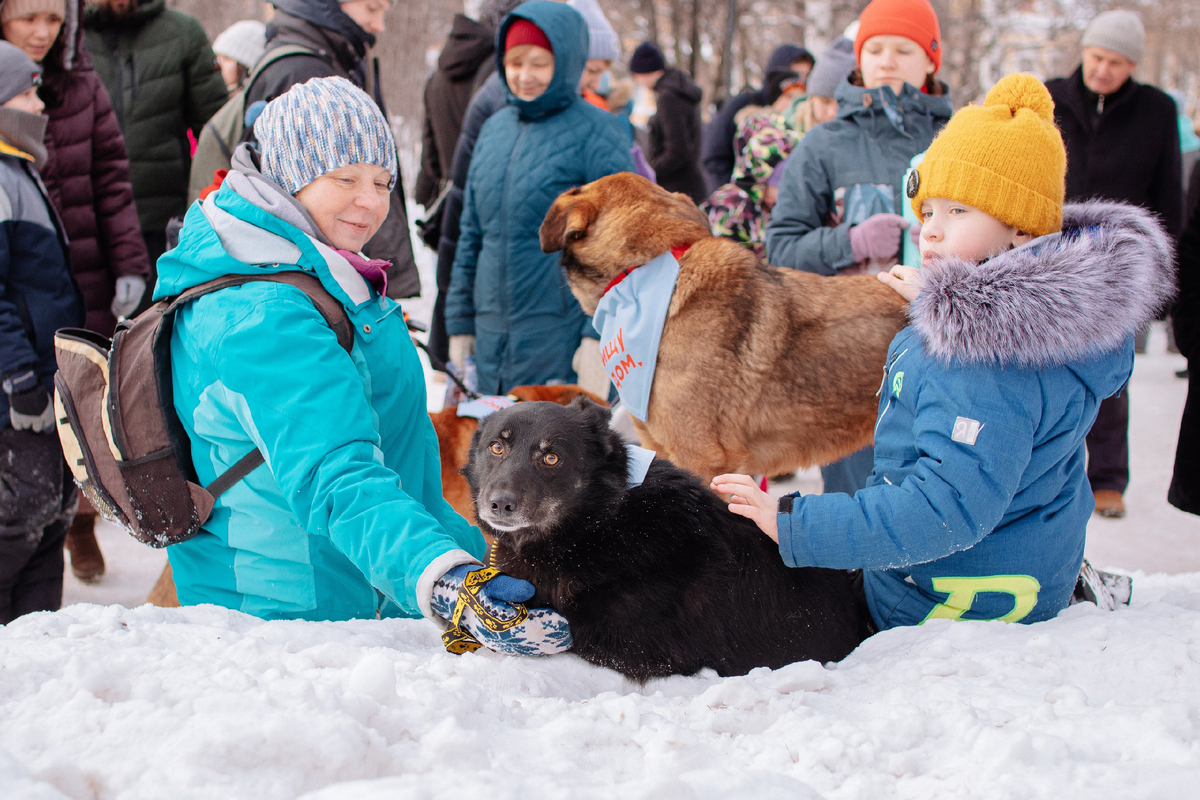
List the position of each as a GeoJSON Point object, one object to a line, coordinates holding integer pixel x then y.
{"type": "Point", "coordinates": [747, 500]}
{"type": "Point", "coordinates": [877, 236]}
{"type": "Point", "coordinates": [906, 281]}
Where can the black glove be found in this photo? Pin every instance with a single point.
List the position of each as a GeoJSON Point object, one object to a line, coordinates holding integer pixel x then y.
{"type": "Point", "coordinates": [29, 405]}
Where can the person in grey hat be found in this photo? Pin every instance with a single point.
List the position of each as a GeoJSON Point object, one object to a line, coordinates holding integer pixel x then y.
{"type": "Point", "coordinates": [37, 499]}
{"type": "Point", "coordinates": [831, 69]}
{"type": "Point", "coordinates": [604, 47]}
{"type": "Point", "coordinates": [1122, 142]}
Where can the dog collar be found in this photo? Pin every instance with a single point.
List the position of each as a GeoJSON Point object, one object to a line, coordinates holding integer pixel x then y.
{"type": "Point", "coordinates": [677, 252]}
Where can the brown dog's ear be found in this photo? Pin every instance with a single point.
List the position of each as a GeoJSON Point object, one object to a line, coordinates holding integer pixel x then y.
{"type": "Point", "coordinates": [566, 222]}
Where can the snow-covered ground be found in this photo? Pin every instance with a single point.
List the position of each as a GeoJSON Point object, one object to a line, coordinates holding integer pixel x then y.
{"type": "Point", "coordinates": [105, 701]}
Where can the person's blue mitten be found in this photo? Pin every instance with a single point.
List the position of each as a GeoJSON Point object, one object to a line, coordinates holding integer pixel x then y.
{"type": "Point", "coordinates": [486, 608]}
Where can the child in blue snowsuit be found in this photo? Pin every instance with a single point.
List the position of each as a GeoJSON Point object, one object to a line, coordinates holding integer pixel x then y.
{"type": "Point", "coordinates": [1022, 320]}
{"type": "Point", "coordinates": [37, 297]}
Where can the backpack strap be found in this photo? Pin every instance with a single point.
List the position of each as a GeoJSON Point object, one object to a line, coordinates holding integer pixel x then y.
{"type": "Point", "coordinates": [271, 56]}
{"type": "Point", "coordinates": [328, 306]}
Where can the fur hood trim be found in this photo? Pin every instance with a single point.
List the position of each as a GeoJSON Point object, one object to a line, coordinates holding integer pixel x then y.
{"type": "Point", "coordinates": [1060, 298]}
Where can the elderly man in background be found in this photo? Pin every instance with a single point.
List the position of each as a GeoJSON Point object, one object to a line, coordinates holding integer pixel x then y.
{"type": "Point", "coordinates": [1122, 142]}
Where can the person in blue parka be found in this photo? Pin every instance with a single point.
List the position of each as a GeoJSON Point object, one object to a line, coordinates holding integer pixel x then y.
{"type": "Point", "coordinates": [1023, 316]}
{"type": "Point", "coordinates": [509, 302]}
{"type": "Point", "coordinates": [346, 518]}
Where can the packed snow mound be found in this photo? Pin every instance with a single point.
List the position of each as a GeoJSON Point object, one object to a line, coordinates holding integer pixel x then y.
{"type": "Point", "coordinates": [108, 702]}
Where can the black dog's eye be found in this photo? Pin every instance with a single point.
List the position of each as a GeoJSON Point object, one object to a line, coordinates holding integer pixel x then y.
{"type": "Point", "coordinates": [497, 448]}
{"type": "Point", "coordinates": [550, 458]}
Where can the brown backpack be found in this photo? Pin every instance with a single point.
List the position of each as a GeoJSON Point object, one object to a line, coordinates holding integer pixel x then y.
{"type": "Point", "coordinates": [120, 434]}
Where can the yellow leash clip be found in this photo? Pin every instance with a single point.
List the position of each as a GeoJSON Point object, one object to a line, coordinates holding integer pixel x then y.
{"type": "Point", "coordinates": [458, 640]}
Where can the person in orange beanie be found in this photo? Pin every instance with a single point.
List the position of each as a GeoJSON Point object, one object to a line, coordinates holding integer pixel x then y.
{"type": "Point", "coordinates": [840, 197]}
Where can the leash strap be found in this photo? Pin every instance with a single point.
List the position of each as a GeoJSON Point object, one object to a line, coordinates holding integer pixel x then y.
{"type": "Point", "coordinates": [458, 639]}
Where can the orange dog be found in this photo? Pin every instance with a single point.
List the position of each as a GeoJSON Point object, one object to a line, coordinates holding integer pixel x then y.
{"type": "Point", "coordinates": [760, 369]}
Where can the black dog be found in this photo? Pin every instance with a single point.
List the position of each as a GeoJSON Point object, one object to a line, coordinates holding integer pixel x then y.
{"type": "Point", "coordinates": [655, 580]}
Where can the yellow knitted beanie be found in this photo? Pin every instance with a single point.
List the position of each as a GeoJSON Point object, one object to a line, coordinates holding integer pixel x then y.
{"type": "Point", "coordinates": [1005, 158]}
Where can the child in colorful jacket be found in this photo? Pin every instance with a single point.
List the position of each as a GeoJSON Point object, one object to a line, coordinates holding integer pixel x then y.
{"type": "Point", "coordinates": [741, 210]}
{"type": "Point", "coordinates": [1022, 322]}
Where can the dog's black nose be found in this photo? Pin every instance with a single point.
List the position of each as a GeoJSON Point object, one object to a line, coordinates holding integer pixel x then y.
{"type": "Point", "coordinates": [503, 503]}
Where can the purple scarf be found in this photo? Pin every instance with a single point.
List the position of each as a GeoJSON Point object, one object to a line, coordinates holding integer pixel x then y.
{"type": "Point", "coordinates": [374, 271]}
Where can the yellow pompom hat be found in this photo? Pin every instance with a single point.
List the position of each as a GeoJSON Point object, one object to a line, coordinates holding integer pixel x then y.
{"type": "Point", "coordinates": [1005, 158]}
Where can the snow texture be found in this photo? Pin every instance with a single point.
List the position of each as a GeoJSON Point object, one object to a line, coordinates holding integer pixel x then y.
{"type": "Point", "coordinates": [203, 702]}
{"type": "Point", "coordinates": [106, 703]}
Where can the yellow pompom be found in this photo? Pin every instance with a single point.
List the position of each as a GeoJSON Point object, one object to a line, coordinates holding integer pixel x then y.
{"type": "Point", "coordinates": [1022, 90]}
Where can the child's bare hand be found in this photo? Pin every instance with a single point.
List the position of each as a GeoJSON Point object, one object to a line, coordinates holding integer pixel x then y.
{"type": "Point", "coordinates": [747, 500]}
{"type": "Point", "coordinates": [906, 281]}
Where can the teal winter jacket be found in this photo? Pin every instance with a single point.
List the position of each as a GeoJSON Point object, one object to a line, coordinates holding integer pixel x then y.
{"type": "Point", "coordinates": [503, 289]}
{"type": "Point", "coordinates": [978, 504]}
{"type": "Point", "coordinates": [847, 170]}
{"type": "Point", "coordinates": [346, 519]}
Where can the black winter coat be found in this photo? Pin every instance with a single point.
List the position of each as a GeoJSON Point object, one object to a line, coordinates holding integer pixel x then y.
{"type": "Point", "coordinates": [339, 46]}
{"type": "Point", "coordinates": [1185, 482]}
{"type": "Point", "coordinates": [1131, 154]}
{"type": "Point", "coordinates": [464, 64]}
{"type": "Point", "coordinates": [163, 80]}
{"type": "Point", "coordinates": [676, 136]}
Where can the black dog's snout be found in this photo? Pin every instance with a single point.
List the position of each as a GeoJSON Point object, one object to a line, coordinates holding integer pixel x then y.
{"type": "Point", "coordinates": [503, 503]}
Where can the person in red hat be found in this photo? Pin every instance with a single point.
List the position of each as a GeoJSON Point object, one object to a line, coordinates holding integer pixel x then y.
{"type": "Point", "coordinates": [840, 196]}
{"type": "Point", "coordinates": [509, 309]}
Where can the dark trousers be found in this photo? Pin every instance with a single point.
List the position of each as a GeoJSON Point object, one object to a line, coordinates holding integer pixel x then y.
{"type": "Point", "coordinates": [1108, 445]}
{"type": "Point", "coordinates": [37, 502]}
{"type": "Point", "coordinates": [850, 473]}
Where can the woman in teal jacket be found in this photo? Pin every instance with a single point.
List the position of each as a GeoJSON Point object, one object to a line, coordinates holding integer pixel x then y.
{"type": "Point", "coordinates": [346, 519]}
{"type": "Point", "coordinates": [508, 300]}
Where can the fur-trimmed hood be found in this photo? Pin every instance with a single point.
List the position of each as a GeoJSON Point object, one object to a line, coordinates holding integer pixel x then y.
{"type": "Point", "coordinates": [1060, 298]}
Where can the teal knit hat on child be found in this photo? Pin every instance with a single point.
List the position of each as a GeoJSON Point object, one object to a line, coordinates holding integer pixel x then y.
{"type": "Point", "coordinates": [318, 126]}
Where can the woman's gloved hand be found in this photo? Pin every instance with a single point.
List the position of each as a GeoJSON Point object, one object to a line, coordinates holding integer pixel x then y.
{"type": "Point", "coordinates": [461, 346]}
{"type": "Point", "coordinates": [486, 607]}
{"type": "Point", "coordinates": [130, 289]}
{"type": "Point", "coordinates": [877, 236]}
{"type": "Point", "coordinates": [589, 369]}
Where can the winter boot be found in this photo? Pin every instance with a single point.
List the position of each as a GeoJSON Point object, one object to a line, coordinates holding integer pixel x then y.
{"type": "Point", "coordinates": [87, 562]}
{"type": "Point", "coordinates": [1110, 504]}
{"type": "Point", "coordinates": [1106, 589]}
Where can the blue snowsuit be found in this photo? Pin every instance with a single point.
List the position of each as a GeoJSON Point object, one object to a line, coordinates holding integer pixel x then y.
{"type": "Point", "coordinates": [503, 289]}
{"type": "Point", "coordinates": [346, 519]}
{"type": "Point", "coordinates": [978, 503]}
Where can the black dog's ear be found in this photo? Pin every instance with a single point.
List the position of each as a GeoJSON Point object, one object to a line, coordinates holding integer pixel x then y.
{"type": "Point", "coordinates": [566, 222]}
{"type": "Point", "coordinates": [468, 470]}
{"type": "Point", "coordinates": [598, 417]}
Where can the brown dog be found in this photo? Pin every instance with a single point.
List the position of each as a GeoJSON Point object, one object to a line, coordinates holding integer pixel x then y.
{"type": "Point", "coordinates": [760, 369]}
{"type": "Point", "coordinates": [454, 448]}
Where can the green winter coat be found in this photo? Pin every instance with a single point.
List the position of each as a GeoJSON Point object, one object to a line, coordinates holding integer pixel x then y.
{"type": "Point", "coordinates": [346, 519]}
{"type": "Point", "coordinates": [163, 79]}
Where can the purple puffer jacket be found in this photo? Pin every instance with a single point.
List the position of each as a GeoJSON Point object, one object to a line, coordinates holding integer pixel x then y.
{"type": "Point", "coordinates": [87, 177]}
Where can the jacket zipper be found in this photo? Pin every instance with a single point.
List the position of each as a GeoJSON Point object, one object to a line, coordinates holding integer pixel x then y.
{"type": "Point", "coordinates": [504, 252]}
{"type": "Point", "coordinates": [886, 374]}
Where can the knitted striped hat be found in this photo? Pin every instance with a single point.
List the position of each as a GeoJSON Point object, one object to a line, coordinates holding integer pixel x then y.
{"type": "Point", "coordinates": [318, 126]}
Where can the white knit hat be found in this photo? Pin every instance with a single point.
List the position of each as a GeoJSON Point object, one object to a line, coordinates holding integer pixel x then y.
{"type": "Point", "coordinates": [243, 41]}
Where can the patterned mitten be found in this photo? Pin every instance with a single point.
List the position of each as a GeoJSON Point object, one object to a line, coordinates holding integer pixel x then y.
{"type": "Point", "coordinates": [486, 608]}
